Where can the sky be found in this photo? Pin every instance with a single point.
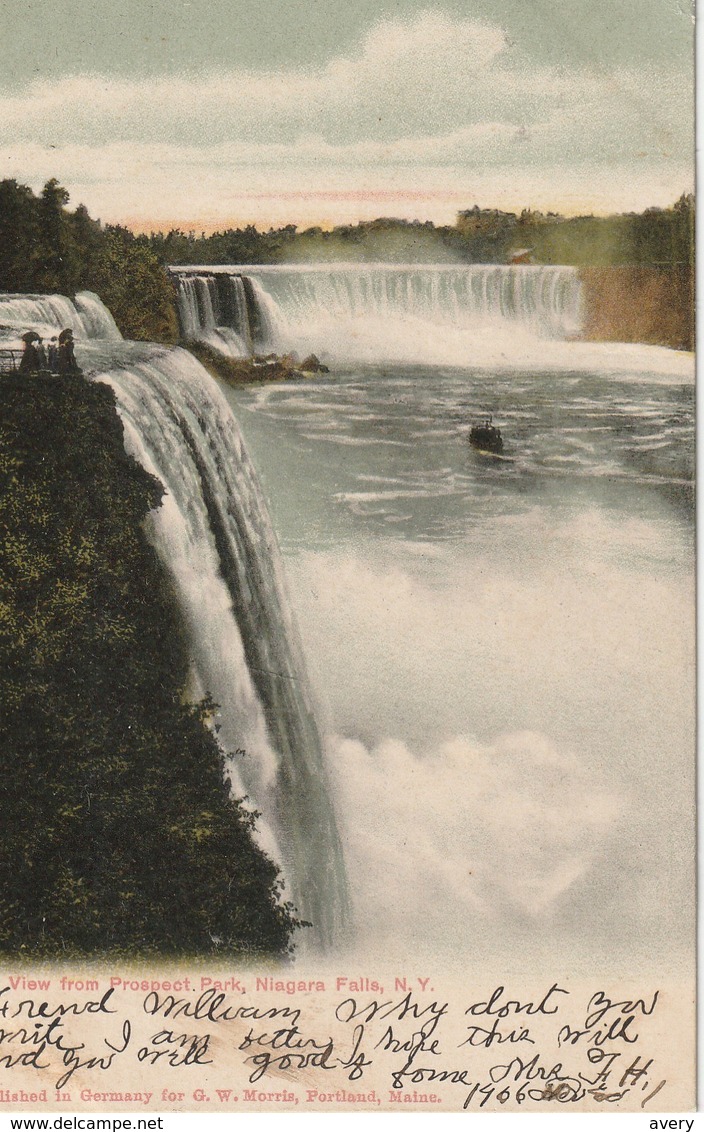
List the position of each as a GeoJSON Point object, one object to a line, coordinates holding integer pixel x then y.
{"type": "Point", "coordinates": [160, 113]}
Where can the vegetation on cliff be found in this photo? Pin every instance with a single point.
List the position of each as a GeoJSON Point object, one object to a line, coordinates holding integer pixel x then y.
{"type": "Point", "coordinates": [120, 835]}
{"type": "Point", "coordinates": [44, 247]}
{"type": "Point", "coordinates": [662, 237]}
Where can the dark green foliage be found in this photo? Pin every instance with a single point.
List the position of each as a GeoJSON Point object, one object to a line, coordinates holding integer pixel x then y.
{"type": "Point", "coordinates": [368, 242]}
{"type": "Point", "coordinates": [57, 266]}
{"type": "Point", "coordinates": [234, 246]}
{"type": "Point", "coordinates": [119, 832]}
{"type": "Point", "coordinates": [46, 248]}
{"type": "Point", "coordinates": [134, 287]}
{"type": "Point", "coordinates": [19, 236]}
{"type": "Point", "coordinates": [658, 236]}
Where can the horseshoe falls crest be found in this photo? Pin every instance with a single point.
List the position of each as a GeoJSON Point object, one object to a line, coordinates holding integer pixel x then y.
{"type": "Point", "coordinates": [378, 312]}
{"type": "Point", "coordinates": [215, 538]}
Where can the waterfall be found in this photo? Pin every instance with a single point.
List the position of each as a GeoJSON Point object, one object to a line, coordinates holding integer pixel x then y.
{"type": "Point", "coordinates": [86, 315]}
{"type": "Point", "coordinates": [188, 313]}
{"type": "Point", "coordinates": [216, 315]}
{"type": "Point", "coordinates": [240, 312]}
{"type": "Point", "coordinates": [215, 538]}
{"type": "Point", "coordinates": [96, 319]}
{"type": "Point", "coordinates": [368, 311]}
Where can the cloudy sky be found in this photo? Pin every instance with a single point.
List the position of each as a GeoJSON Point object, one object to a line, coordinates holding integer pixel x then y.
{"type": "Point", "coordinates": [221, 112]}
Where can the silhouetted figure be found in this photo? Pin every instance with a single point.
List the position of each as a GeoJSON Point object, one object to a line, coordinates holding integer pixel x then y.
{"type": "Point", "coordinates": [67, 363]}
{"type": "Point", "coordinates": [41, 354]}
{"type": "Point", "coordinates": [31, 361]}
{"type": "Point", "coordinates": [53, 355]}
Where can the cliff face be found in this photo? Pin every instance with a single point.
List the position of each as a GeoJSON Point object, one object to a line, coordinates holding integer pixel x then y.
{"type": "Point", "coordinates": [639, 304]}
{"type": "Point", "coordinates": [119, 832]}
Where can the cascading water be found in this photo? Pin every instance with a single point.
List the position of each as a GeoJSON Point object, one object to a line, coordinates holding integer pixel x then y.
{"type": "Point", "coordinates": [86, 315]}
{"type": "Point", "coordinates": [384, 312]}
{"type": "Point", "coordinates": [215, 538]}
{"type": "Point", "coordinates": [217, 312]}
{"type": "Point", "coordinates": [189, 314]}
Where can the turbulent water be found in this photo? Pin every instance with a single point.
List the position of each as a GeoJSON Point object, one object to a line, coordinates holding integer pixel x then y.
{"type": "Point", "coordinates": [504, 646]}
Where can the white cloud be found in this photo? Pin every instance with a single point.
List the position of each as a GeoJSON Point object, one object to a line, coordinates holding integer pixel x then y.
{"type": "Point", "coordinates": [430, 37]}
{"type": "Point", "coordinates": [424, 77]}
{"type": "Point", "coordinates": [432, 93]}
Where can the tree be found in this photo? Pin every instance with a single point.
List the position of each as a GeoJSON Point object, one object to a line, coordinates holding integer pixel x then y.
{"type": "Point", "coordinates": [44, 247]}
{"type": "Point", "coordinates": [58, 260]}
{"type": "Point", "coordinates": [134, 286]}
{"type": "Point", "coordinates": [19, 235]}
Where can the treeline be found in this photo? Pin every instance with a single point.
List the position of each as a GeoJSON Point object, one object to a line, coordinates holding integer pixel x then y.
{"type": "Point", "coordinates": [398, 241]}
{"type": "Point", "coordinates": [120, 835]}
{"type": "Point", "coordinates": [656, 237]}
{"type": "Point", "coordinates": [45, 247]}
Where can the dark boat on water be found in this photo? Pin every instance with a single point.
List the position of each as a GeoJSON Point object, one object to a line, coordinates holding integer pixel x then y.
{"type": "Point", "coordinates": [486, 437]}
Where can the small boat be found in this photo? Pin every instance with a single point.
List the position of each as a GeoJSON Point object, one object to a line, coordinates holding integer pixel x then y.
{"type": "Point", "coordinates": [486, 437]}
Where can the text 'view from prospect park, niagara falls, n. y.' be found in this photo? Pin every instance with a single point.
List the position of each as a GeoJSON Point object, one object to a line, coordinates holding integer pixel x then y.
{"type": "Point", "coordinates": [347, 557]}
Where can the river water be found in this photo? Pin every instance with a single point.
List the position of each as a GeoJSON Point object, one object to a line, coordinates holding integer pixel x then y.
{"type": "Point", "coordinates": [502, 648]}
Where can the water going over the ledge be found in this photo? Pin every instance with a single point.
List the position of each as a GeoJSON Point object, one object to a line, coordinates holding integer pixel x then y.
{"type": "Point", "coordinates": [214, 536]}
{"type": "Point", "coordinates": [86, 315]}
{"type": "Point", "coordinates": [375, 311]}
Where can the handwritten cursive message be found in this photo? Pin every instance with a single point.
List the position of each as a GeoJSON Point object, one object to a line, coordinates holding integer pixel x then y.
{"type": "Point", "coordinates": [258, 1041]}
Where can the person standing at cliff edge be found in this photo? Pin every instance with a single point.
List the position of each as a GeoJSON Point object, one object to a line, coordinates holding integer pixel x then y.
{"type": "Point", "coordinates": [67, 363]}
{"type": "Point", "coordinates": [30, 362]}
{"type": "Point", "coordinates": [41, 354]}
{"type": "Point", "coordinates": [53, 355]}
